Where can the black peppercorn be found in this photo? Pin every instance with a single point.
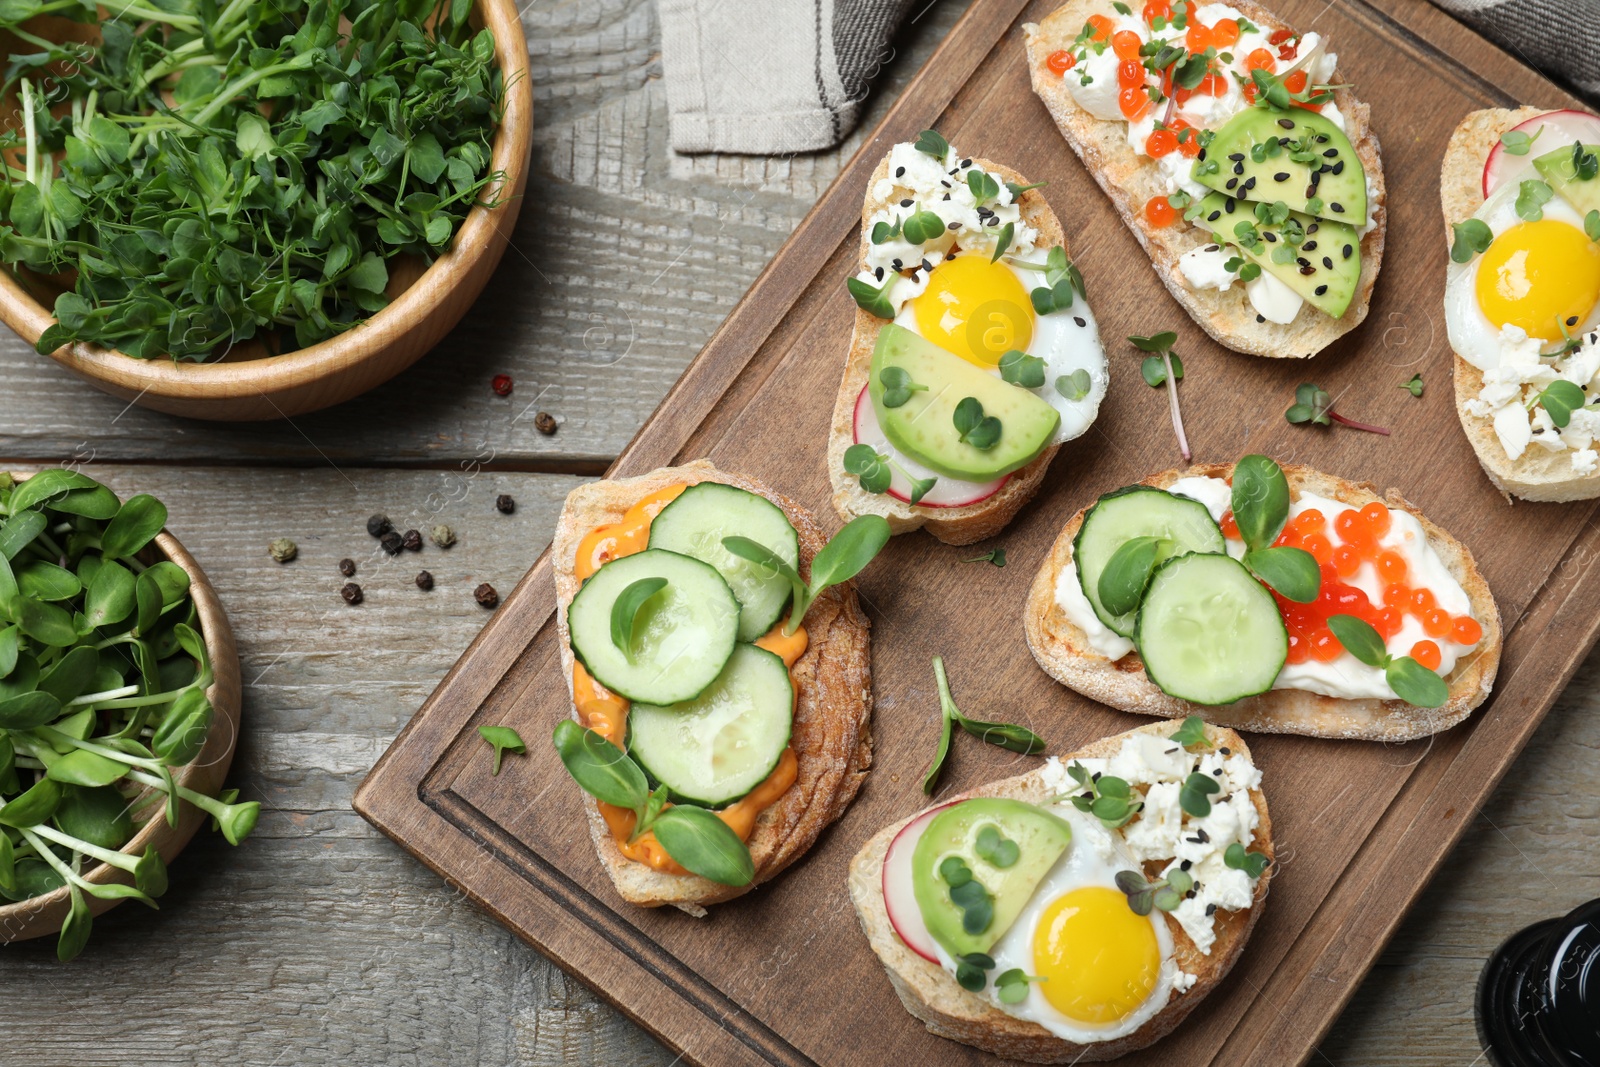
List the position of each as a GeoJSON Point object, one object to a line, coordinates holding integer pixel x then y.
{"type": "Point", "coordinates": [545, 423]}
{"type": "Point", "coordinates": [412, 540]}
{"type": "Point", "coordinates": [351, 593]}
{"type": "Point", "coordinates": [504, 504]}
{"type": "Point", "coordinates": [424, 581]}
{"type": "Point", "coordinates": [379, 525]}
{"type": "Point", "coordinates": [486, 595]}
{"type": "Point", "coordinates": [347, 567]}
{"type": "Point", "coordinates": [392, 543]}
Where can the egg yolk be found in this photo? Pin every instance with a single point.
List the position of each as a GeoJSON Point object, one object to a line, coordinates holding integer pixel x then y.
{"type": "Point", "coordinates": [975, 309]}
{"type": "Point", "coordinates": [1539, 276]}
{"type": "Point", "coordinates": [1099, 960]}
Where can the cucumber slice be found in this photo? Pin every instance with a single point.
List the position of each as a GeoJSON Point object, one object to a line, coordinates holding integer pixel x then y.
{"type": "Point", "coordinates": [1138, 511]}
{"type": "Point", "coordinates": [716, 748]}
{"type": "Point", "coordinates": [702, 515]}
{"type": "Point", "coordinates": [1209, 632]}
{"type": "Point", "coordinates": [682, 636]}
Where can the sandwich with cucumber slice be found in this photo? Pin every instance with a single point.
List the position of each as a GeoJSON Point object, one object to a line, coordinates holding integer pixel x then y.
{"type": "Point", "coordinates": [974, 355]}
{"type": "Point", "coordinates": [1269, 598]}
{"type": "Point", "coordinates": [718, 662]}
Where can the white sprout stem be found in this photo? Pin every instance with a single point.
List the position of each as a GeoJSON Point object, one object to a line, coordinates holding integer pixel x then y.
{"type": "Point", "coordinates": [1177, 416]}
{"type": "Point", "coordinates": [104, 855]}
{"type": "Point", "coordinates": [109, 694]}
{"type": "Point", "coordinates": [30, 133]}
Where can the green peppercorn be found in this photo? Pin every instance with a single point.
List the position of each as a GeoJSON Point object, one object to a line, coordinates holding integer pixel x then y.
{"type": "Point", "coordinates": [442, 536]}
{"type": "Point", "coordinates": [283, 550]}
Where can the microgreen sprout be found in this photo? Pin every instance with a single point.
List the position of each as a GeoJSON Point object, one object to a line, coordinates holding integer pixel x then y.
{"type": "Point", "coordinates": [1013, 738]}
{"type": "Point", "coordinates": [840, 560]}
{"type": "Point", "coordinates": [1413, 385]}
{"type": "Point", "coordinates": [1164, 894]}
{"type": "Point", "coordinates": [1191, 733]}
{"type": "Point", "coordinates": [1410, 680]}
{"type": "Point", "coordinates": [1111, 800]}
{"type": "Point", "coordinates": [1171, 372]}
{"type": "Point", "coordinates": [874, 472]}
{"type": "Point", "coordinates": [1560, 398]}
{"type": "Point", "coordinates": [973, 427]}
{"type": "Point", "coordinates": [995, 557]}
{"type": "Point", "coordinates": [1313, 404]}
{"type": "Point", "coordinates": [1253, 864]}
{"type": "Point", "coordinates": [1062, 280]}
{"type": "Point", "coordinates": [502, 739]}
{"type": "Point", "coordinates": [1472, 237]}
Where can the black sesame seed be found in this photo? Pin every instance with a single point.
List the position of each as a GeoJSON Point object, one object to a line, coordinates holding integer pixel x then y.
{"type": "Point", "coordinates": [944, 182]}
{"type": "Point", "coordinates": [1303, 261]}
{"type": "Point", "coordinates": [1338, 168]}
{"type": "Point", "coordinates": [1231, 204]}
{"type": "Point", "coordinates": [1212, 248]}
{"type": "Point", "coordinates": [1572, 320]}
{"type": "Point", "coordinates": [1321, 289]}
{"type": "Point", "coordinates": [1217, 772]}
{"type": "Point", "coordinates": [1189, 895]}
{"type": "Point", "coordinates": [1261, 318]}
{"type": "Point", "coordinates": [966, 162]}
{"type": "Point", "coordinates": [905, 203]}
{"type": "Point", "coordinates": [1287, 124]}
{"type": "Point", "coordinates": [1313, 227]}
{"type": "Point", "coordinates": [1214, 216]}
{"type": "Point", "coordinates": [878, 274]}
{"type": "Point", "coordinates": [1309, 246]}
{"type": "Point", "coordinates": [1281, 176]}
{"type": "Point", "coordinates": [1249, 183]}
{"type": "Point", "coordinates": [1337, 207]}
{"type": "Point", "coordinates": [1236, 156]}
{"type": "Point", "coordinates": [1203, 836]}
{"type": "Point", "coordinates": [897, 265]}
{"type": "Point", "coordinates": [1224, 751]}
{"type": "Point", "coordinates": [900, 172]}
{"type": "Point", "coordinates": [955, 225]}
{"type": "Point", "coordinates": [927, 266]}
{"type": "Point", "coordinates": [1238, 168]}
{"type": "Point", "coordinates": [1202, 155]}
{"type": "Point", "coordinates": [1185, 865]}
{"type": "Point", "coordinates": [1331, 153]}
{"type": "Point", "coordinates": [1308, 269]}
{"type": "Point", "coordinates": [1231, 183]}
{"type": "Point", "coordinates": [1171, 751]}
{"type": "Point", "coordinates": [947, 196]}
{"type": "Point", "coordinates": [1081, 322]}
{"type": "Point", "coordinates": [1327, 263]}
{"type": "Point", "coordinates": [1211, 909]}
{"type": "Point", "coordinates": [1269, 235]}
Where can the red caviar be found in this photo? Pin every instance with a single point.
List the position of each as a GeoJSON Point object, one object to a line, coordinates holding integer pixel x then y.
{"type": "Point", "coordinates": [1126, 44]}
{"type": "Point", "coordinates": [1130, 74]}
{"type": "Point", "coordinates": [1230, 525]}
{"type": "Point", "coordinates": [1157, 9]}
{"type": "Point", "coordinates": [1134, 102]}
{"type": "Point", "coordinates": [1160, 212]}
{"type": "Point", "coordinates": [1466, 631]}
{"type": "Point", "coordinates": [1061, 62]}
{"type": "Point", "coordinates": [1160, 143]}
{"type": "Point", "coordinates": [1188, 145]}
{"type": "Point", "coordinates": [1198, 39]}
{"type": "Point", "coordinates": [1260, 59]}
{"type": "Point", "coordinates": [1102, 27]}
{"type": "Point", "coordinates": [1225, 32]}
{"type": "Point", "coordinates": [1427, 654]}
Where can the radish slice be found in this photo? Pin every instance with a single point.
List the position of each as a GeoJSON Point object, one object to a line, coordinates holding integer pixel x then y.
{"type": "Point", "coordinates": [1561, 128]}
{"type": "Point", "coordinates": [946, 492]}
{"type": "Point", "coordinates": [899, 899]}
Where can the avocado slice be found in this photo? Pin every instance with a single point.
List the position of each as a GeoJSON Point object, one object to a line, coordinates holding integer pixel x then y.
{"type": "Point", "coordinates": [1559, 169]}
{"type": "Point", "coordinates": [1296, 156]}
{"type": "Point", "coordinates": [1040, 839]}
{"type": "Point", "coordinates": [1326, 265]}
{"type": "Point", "coordinates": [924, 428]}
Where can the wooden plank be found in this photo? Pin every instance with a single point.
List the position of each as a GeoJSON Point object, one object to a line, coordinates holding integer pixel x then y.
{"type": "Point", "coordinates": [741, 404]}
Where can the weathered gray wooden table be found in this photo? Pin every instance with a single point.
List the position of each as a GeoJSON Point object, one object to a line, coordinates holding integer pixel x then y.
{"type": "Point", "coordinates": [319, 941]}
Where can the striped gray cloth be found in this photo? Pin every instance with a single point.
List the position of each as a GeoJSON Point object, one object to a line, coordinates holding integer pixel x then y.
{"type": "Point", "coordinates": [770, 77]}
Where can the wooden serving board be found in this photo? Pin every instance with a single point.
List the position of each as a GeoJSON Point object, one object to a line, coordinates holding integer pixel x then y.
{"type": "Point", "coordinates": [783, 975]}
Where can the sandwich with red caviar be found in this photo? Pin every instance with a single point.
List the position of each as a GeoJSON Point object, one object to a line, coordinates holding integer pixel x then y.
{"type": "Point", "coordinates": [1081, 911]}
{"type": "Point", "coordinates": [718, 662]}
{"type": "Point", "coordinates": [974, 356]}
{"type": "Point", "coordinates": [1236, 154]}
{"type": "Point", "coordinates": [1268, 598]}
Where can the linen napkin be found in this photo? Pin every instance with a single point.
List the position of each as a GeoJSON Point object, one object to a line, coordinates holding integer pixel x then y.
{"type": "Point", "coordinates": [772, 77]}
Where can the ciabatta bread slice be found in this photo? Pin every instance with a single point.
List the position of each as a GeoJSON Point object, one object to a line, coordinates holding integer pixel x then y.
{"type": "Point", "coordinates": [1538, 474]}
{"type": "Point", "coordinates": [831, 738]}
{"type": "Point", "coordinates": [930, 994]}
{"type": "Point", "coordinates": [1130, 180]}
{"type": "Point", "coordinates": [958, 525]}
{"type": "Point", "coordinates": [1063, 650]}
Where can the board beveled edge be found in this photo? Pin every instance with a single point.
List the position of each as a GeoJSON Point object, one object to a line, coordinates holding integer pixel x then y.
{"type": "Point", "coordinates": [394, 798]}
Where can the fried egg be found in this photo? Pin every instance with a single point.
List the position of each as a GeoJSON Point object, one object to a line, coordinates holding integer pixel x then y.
{"type": "Point", "coordinates": [1104, 971]}
{"type": "Point", "coordinates": [980, 310]}
{"type": "Point", "coordinates": [1535, 279]}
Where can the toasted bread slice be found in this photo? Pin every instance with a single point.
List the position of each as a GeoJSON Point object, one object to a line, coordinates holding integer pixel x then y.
{"type": "Point", "coordinates": [1538, 474]}
{"type": "Point", "coordinates": [930, 994]}
{"type": "Point", "coordinates": [958, 525]}
{"type": "Point", "coordinates": [1062, 649]}
{"type": "Point", "coordinates": [833, 698]}
{"type": "Point", "coordinates": [1130, 180]}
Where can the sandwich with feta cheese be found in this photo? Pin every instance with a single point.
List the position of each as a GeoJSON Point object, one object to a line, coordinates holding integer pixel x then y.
{"type": "Point", "coordinates": [1270, 598]}
{"type": "Point", "coordinates": [1080, 911]}
{"type": "Point", "coordinates": [1521, 196]}
{"type": "Point", "coordinates": [974, 356]}
{"type": "Point", "coordinates": [1234, 151]}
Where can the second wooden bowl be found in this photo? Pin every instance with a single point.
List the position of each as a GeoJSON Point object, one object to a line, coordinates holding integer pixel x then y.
{"type": "Point", "coordinates": [275, 387]}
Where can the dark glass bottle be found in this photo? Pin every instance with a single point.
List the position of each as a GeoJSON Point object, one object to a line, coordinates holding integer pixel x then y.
{"type": "Point", "coordinates": [1538, 1001]}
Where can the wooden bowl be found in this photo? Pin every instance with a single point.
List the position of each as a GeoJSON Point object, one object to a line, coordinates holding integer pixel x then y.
{"type": "Point", "coordinates": [42, 916]}
{"type": "Point", "coordinates": [274, 387]}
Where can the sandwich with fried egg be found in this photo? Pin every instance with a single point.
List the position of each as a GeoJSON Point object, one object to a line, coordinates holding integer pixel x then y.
{"type": "Point", "coordinates": [1080, 911]}
{"type": "Point", "coordinates": [974, 356]}
{"type": "Point", "coordinates": [720, 702]}
{"type": "Point", "coordinates": [1521, 196]}
{"type": "Point", "coordinates": [1269, 598]}
{"type": "Point", "coordinates": [1230, 146]}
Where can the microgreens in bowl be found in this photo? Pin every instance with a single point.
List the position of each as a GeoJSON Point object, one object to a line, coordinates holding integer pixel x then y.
{"type": "Point", "coordinates": [103, 679]}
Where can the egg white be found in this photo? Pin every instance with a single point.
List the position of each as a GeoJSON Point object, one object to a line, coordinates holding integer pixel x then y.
{"type": "Point", "coordinates": [1093, 858]}
{"type": "Point", "coordinates": [1067, 341]}
{"type": "Point", "coordinates": [1471, 333]}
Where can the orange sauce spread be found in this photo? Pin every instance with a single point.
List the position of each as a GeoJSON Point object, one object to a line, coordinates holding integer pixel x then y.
{"type": "Point", "coordinates": [607, 714]}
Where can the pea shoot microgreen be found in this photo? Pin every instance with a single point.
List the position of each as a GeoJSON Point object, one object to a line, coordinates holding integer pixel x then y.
{"type": "Point", "coordinates": [1517, 142]}
{"type": "Point", "coordinates": [1585, 163]}
{"type": "Point", "coordinates": [695, 838]}
{"type": "Point", "coordinates": [1164, 894]}
{"type": "Point", "coordinates": [1074, 386]}
{"type": "Point", "coordinates": [1472, 237]}
{"type": "Point", "coordinates": [1191, 733]}
{"type": "Point", "coordinates": [1017, 190]}
{"type": "Point", "coordinates": [1107, 798]}
{"type": "Point", "coordinates": [625, 614]}
{"type": "Point", "coordinates": [874, 472]}
{"type": "Point", "coordinates": [1532, 196]}
{"type": "Point", "coordinates": [873, 299]}
{"type": "Point", "coordinates": [995, 557]}
{"type": "Point", "coordinates": [982, 185]}
{"type": "Point", "coordinates": [1313, 404]}
{"type": "Point", "coordinates": [1013, 738]}
{"type": "Point", "coordinates": [840, 560]}
{"type": "Point", "coordinates": [502, 739]}
{"type": "Point", "coordinates": [971, 971]}
{"type": "Point", "coordinates": [922, 226]}
{"type": "Point", "coordinates": [104, 676]}
{"type": "Point", "coordinates": [1254, 864]}
{"type": "Point", "coordinates": [1413, 384]}
{"type": "Point", "coordinates": [1159, 347]}
{"type": "Point", "coordinates": [1410, 680]}
{"type": "Point", "coordinates": [884, 231]}
{"type": "Point", "coordinates": [1560, 398]}
{"type": "Point", "coordinates": [932, 143]}
{"type": "Point", "coordinates": [1127, 572]}
{"type": "Point", "coordinates": [1002, 241]}
{"type": "Point", "coordinates": [973, 427]}
{"type": "Point", "coordinates": [1260, 503]}
{"type": "Point", "coordinates": [1019, 368]}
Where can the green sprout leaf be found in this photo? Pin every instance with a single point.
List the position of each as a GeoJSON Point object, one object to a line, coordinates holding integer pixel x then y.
{"type": "Point", "coordinates": [983, 186]}
{"type": "Point", "coordinates": [1194, 796]}
{"type": "Point", "coordinates": [1253, 864]}
{"type": "Point", "coordinates": [1127, 572]}
{"type": "Point", "coordinates": [869, 466]}
{"type": "Point", "coordinates": [1019, 368]}
{"type": "Point", "coordinates": [703, 844]}
{"type": "Point", "coordinates": [625, 611]}
{"type": "Point", "coordinates": [898, 386]}
{"type": "Point", "coordinates": [600, 768]}
{"type": "Point", "coordinates": [1293, 572]}
{"type": "Point", "coordinates": [1416, 684]}
{"type": "Point", "coordinates": [1517, 142]}
{"type": "Point", "coordinates": [873, 299]}
{"type": "Point", "coordinates": [1192, 733]}
{"type": "Point", "coordinates": [1002, 241]}
{"type": "Point", "coordinates": [973, 427]}
{"type": "Point", "coordinates": [995, 849]}
{"type": "Point", "coordinates": [1011, 987]}
{"type": "Point", "coordinates": [995, 557]}
{"type": "Point", "coordinates": [504, 739]}
{"type": "Point", "coordinates": [1561, 398]}
{"type": "Point", "coordinates": [1532, 196]}
{"type": "Point", "coordinates": [930, 142]}
{"type": "Point", "coordinates": [1360, 639]}
{"type": "Point", "coordinates": [1153, 369]}
{"type": "Point", "coordinates": [1413, 385]}
{"type": "Point", "coordinates": [1074, 386]}
{"type": "Point", "coordinates": [1591, 224]}
{"type": "Point", "coordinates": [1472, 237]}
{"type": "Point", "coordinates": [1260, 500]}
{"type": "Point", "coordinates": [922, 227]}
